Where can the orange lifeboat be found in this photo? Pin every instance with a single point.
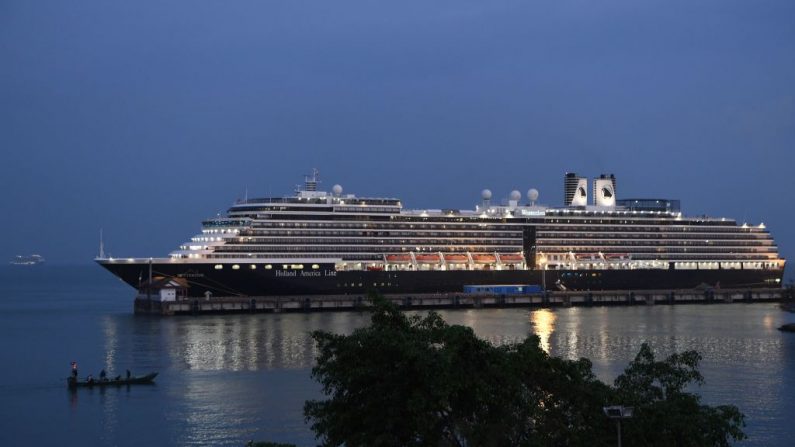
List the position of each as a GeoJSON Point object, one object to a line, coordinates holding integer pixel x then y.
{"type": "Point", "coordinates": [484, 259]}
{"type": "Point", "coordinates": [428, 259]}
{"type": "Point", "coordinates": [456, 259]}
{"type": "Point", "coordinates": [397, 259]}
{"type": "Point", "coordinates": [512, 258]}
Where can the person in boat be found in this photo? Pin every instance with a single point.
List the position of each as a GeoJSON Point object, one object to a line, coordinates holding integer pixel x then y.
{"type": "Point", "coordinates": [103, 375]}
{"type": "Point", "coordinates": [74, 370]}
{"type": "Point", "coordinates": [90, 379]}
{"type": "Point", "coordinates": [128, 374]}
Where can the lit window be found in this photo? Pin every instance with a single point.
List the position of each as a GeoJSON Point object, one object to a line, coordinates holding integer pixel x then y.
{"type": "Point", "coordinates": [315, 266]}
{"type": "Point", "coordinates": [235, 267]}
{"type": "Point", "coordinates": [268, 267]}
{"type": "Point", "coordinates": [253, 266]}
{"type": "Point", "coordinates": [218, 266]}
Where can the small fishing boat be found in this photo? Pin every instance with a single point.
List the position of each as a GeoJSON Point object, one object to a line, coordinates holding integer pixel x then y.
{"type": "Point", "coordinates": [71, 382]}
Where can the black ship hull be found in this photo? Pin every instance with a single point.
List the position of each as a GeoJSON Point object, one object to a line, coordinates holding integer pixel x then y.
{"type": "Point", "coordinates": [325, 280]}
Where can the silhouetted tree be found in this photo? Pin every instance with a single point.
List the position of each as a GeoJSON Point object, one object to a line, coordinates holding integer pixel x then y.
{"type": "Point", "coordinates": [412, 380]}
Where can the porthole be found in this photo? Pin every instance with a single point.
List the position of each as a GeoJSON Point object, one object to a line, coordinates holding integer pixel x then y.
{"type": "Point", "coordinates": [235, 267]}
{"type": "Point", "coordinates": [218, 266]}
{"type": "Point", "coordinates": [268, 267]}
{"type": "Point", "coordinates": [253, 266]}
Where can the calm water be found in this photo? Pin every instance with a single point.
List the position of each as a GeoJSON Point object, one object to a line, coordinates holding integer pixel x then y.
{"type": "Point", "coordinates": [227, 379]}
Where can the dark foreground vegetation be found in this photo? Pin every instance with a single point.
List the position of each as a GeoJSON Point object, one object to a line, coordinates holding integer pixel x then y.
{"type": "Point", "coordinates": [417, 381]}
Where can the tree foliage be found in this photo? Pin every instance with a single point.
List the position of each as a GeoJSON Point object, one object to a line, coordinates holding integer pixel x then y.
{"type": "Point", "coordinates": [412, 380]}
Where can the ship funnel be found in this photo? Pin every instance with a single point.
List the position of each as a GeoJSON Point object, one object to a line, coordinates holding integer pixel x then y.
{"type": "Point", "coordinates": [604, 190]}
{"type": "Point", "coordinates": [575, 190]}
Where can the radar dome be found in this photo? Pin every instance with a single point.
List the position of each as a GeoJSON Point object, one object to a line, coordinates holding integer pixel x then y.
{"type": "Point", "coordinates": [486, 194]}
{"type": "Point", "coordinates": [532, 195]}
{"type": "Point", "coordinates": [515, 195]}
{"type": "Point", "coordinates": [336, 189]}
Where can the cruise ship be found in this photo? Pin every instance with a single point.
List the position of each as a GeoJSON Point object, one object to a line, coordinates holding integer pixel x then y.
{"type": "Point", "coordinates": [27, 260]}
{"type": "Point", "coordinates": [329, 243]}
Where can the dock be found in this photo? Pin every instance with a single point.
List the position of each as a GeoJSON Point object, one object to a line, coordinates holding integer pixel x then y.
{"type": "Point", "coordinates": [153, 304]}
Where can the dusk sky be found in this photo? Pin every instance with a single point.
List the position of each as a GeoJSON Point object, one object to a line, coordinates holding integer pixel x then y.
{"type": "Point", "coordinates": [143, 118]}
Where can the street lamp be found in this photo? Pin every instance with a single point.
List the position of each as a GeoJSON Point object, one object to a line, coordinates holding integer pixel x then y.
{"type": "Point", "coordinates": [618, 412]}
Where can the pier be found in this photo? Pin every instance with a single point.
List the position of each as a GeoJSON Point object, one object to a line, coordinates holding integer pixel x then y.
{"type": "Point", "coordinates": [154, 303]}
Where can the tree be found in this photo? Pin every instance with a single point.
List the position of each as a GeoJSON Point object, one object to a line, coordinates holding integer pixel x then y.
{"type": "Point", "coordinates": [665, 413]}
{"type": "Point", "coordinates": [412, 380]}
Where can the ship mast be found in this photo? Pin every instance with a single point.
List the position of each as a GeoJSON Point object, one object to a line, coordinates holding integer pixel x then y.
{"type": "Point", "coordinates": [101, 245]}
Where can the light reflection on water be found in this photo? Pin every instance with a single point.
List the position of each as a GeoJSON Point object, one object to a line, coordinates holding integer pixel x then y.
{"type": "Point", "coordinates": [543, 325]}
{"type": "Point", "coordinates": [227, 379]}
{"type": "Point", "coordinates": [212, 365]}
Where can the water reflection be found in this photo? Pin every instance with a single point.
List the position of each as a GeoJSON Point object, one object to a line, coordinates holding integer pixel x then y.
{"type": "Point", "coordinates": [215, 343]}
{"type": "Point", "coordinates": [544, 325]}
{"type": "Point", "coordinates": [237, 377]}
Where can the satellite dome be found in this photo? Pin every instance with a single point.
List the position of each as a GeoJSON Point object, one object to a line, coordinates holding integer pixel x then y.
{"type": "Point", "coordinates": [486, 194]}
{"type": "Point", "coordinates": [515, 195]}
{"type": "Point", "coordinates": [336, 189]}
{"type": "Point", "coordinates": [532, 194]}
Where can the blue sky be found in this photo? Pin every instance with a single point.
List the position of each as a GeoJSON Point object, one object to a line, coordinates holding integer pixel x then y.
{"type": "Point", "coordinates": [145, 117]}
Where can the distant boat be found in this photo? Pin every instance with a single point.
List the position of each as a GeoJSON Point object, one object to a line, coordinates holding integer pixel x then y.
{"type": "Point", "coordinates": [28, 260]}
{"type": "Point", "coordinates": [71, 382]}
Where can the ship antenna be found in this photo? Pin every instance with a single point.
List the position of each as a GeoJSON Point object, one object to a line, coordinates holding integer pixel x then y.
{"type": "Point", "coordinates": [310, 182]}
{"type": "Point", "coordinates": [101, 245]}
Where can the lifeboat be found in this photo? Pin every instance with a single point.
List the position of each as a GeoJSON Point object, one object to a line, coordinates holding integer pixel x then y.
{"type": "Point", "coordinates": [397, 259]}
{"type": "Point", "coordinates": [428, 259]}
{"type": "Point", "coordinates": [616, 256]}
{"type": "Point", "coordinates": [586, 256]}
{"type": "Point", "coordinates": [456, 259]}
{"type": "Point", "coordinates": [484, 259]}
{"type": "Point", "coordinates": [512, 258]}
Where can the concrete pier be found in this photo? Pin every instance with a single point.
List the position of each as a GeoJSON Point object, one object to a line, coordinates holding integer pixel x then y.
{"type": "Point", "coordinates": [155, 305]}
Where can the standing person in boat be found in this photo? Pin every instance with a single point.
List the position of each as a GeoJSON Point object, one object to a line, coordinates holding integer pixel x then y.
{"type": "Point", "coordinates": [74, 370]}
{"type": "Point", "coordinates": [103, 375]}
{"type": "Point", "coordinates": [128, 374]}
